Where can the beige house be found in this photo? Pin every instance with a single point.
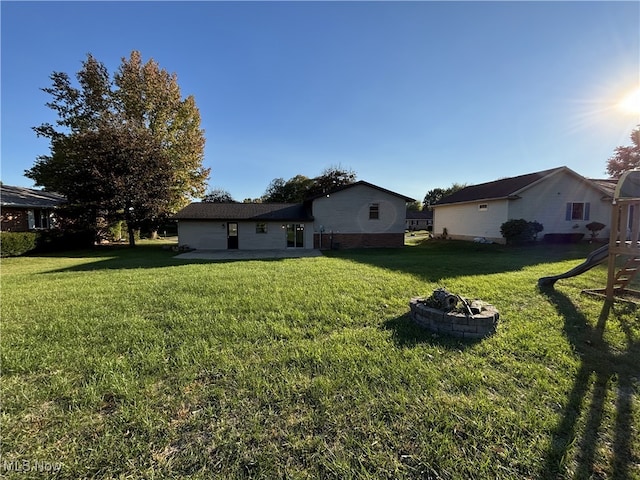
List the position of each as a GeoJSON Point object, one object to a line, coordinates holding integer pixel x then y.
{"type": "Point", "coordinates": [563, 201]}
{"type": "Point", "coordinates": [354, 216]}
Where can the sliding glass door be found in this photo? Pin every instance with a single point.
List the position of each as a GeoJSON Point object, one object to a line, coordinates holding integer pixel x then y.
{"type": "Point", "coordinates": [295, 235]}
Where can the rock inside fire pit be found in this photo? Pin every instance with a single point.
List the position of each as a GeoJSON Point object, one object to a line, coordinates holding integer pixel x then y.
{"type": "Point", "coordinates": [444, 312]}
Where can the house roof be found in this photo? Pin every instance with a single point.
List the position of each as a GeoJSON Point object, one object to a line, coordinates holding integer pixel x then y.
{"type": "Point", "coordinates": [361, 183]}
{"type": "Point", "coordinates": [264, 211]}
{"type": "Point", "coordinates": [11, 196]}
{"type": "Point", "coordinates": [511, 187]}
{"type": "Point", "coordinates": [244, 211]}
{"type": "Point", "coordinates": [608, 185]}
{"type": "Point", "coordinates": [419, 214]}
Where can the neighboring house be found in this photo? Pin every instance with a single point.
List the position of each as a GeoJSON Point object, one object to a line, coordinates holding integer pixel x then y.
{"type": "Point", "coordinates": [419, 220]}
{"type": "Point", "coordinates": [356, 215]}
{"type": "Point", "coordinates": [560, 199]}
{"type": "Point", "coordinates": [24, 209]}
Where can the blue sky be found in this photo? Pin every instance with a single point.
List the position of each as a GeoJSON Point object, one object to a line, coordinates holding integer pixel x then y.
{"type": "Point", "coordinates": [410, 95]}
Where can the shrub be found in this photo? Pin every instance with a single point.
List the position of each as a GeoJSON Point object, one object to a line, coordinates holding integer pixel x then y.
{"type": "Point", "coordinates": [594, 228]}
{"type": "Point", "coordinates": [536, 228]}
{"type": "Point", "coordinates": [117, 231]}
{"type": "Point", "coordinates": [13, 244]}
{"type": "Point", "coordinates": [65, 239]}
{"type": "Point", "coordinates": [519, 231]}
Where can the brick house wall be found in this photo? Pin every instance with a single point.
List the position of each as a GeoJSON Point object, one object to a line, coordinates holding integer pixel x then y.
{"type": "Point", "coordinates": [358, 240]}
{"type": "Point", "coordinates": [14, 220]}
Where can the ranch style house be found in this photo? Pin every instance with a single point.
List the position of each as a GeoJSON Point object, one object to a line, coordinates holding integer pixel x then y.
{"type": "Point", "coordinates": [352, 216]}
{"type": "Point", "coordinates": [563, 201]}
{"type": "Point", "coordinates": [25, 209]}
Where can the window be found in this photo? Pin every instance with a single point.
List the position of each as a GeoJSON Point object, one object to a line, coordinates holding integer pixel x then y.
{"type": "Point", "coordinates": [38, 218]}
{"type": "Point", "coordinates": [261, 228]}
{"type": "Point", "coordinates": [577, 211]}
{"type": "Point", "coordinates": [483, 207]}
{"type": "Point", "coordinates": [374, 211]}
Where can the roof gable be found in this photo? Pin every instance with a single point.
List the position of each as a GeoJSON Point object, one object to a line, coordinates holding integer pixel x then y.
{"type": "Point", "coordinates": [510, 187]}
{"type": "Point", "coordinates": [361, 183]}
{"type": "Point", "coordinates": [244, 211]}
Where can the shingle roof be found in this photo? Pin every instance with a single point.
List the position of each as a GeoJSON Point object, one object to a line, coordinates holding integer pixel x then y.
{"type": "Point", "coordinates": [506, 187]}
{"type": "Point", "coordinates": [608, 185]}
{"type": "Point", "coordinates": [11, 196]}
{"type": "Point", "coordinates": [419, 215]}
{"type": "Point", "coordinates": [367, 184]}
{"type": "Point", "coordinates": [244, 211]}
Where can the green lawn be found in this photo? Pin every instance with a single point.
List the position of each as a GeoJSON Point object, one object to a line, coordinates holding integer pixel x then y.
{"type": "Point", "coordinates": [128, 363]}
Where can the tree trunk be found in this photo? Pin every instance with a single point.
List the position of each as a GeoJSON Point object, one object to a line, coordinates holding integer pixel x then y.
{"type": "Point", "coordinates": [132, 235]}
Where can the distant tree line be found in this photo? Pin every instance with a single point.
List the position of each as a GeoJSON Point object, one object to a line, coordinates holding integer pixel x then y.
{"type": "Point", "coordinates": [294, 190]}
{"type": "Point", "coordinates": [435, 195]}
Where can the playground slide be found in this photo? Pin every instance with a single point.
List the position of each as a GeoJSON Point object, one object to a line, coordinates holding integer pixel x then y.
{"type": "Point", "coordinates": [595, 258]}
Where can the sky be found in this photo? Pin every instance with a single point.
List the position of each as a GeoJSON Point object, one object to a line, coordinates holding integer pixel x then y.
{"type": "Point", "coordinates": [411, 96]}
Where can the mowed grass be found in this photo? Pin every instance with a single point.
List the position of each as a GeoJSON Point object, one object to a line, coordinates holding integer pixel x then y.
{"type": "Point", "coordinates": [129, 363]}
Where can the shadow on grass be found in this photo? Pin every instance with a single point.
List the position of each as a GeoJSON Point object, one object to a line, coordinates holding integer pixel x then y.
{"type": "Point", "coordinates": [600, 366]}
{"type": "Point", "coordinates": [119, 257]}
{"type": "Point", "coordinates": [434, 260]}
{"type": "Point", "coordinates": [406, 334]}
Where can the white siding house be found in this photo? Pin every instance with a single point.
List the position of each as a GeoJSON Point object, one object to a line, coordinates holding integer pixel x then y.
{"type": "Point", "coordinates": [360, 215]}
{"type": "Point", "coordinates": [246, 226]}
{"type": "Point", "coordinates": [560, 199]}
{"type": "Point", "coordinates": [356, 215]}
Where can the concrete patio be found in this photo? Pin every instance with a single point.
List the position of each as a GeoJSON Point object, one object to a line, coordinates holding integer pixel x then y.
{"type": "Point", "coordinates": [247, 254]}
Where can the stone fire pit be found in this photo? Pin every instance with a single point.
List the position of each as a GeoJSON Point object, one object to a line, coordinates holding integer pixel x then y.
{"type": "Point", "coordinates": [454, 315]}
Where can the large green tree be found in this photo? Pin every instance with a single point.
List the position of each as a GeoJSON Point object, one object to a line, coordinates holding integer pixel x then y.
{"type": "Point", "coordinates": [625, 158]}
{"type": "Point", "coordinates": [298, 188]}
{"type": "Point", "coordinates": [332, 177]}
{"type": "Point", "coordinates": [293, 190]}
{"type": "Point", "coordinates": [437, 194]}
{"type": "Point", "coordinates": [150, 97]}
{"type": "Point", "coordinates": [128, 149]}
{"type": "Point", "coordinates": [218, 195]}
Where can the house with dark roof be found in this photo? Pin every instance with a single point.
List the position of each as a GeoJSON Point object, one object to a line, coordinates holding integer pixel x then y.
{"type": "Point", "coordinates": [357, 215]}
{"type": "Point", "coordinates": [559, 198]}
{"type": "Point", "coordinates": [23, 209]}
{"type": "Point", "coordinates": [419, 220]}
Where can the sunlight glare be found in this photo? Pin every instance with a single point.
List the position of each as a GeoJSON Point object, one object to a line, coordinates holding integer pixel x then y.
{"type": "Point", "coordinates": [631, 102]}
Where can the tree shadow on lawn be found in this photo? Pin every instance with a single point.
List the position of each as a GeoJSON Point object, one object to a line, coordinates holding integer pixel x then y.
{"type": "Point", "coordinates": [434, 260]}
{"type": "Point", "coordinates": [600, 366]}
{"type": "Point", "coordinates": [431, 261]}
{"type": "Point", "coordinates": [117, 257]}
